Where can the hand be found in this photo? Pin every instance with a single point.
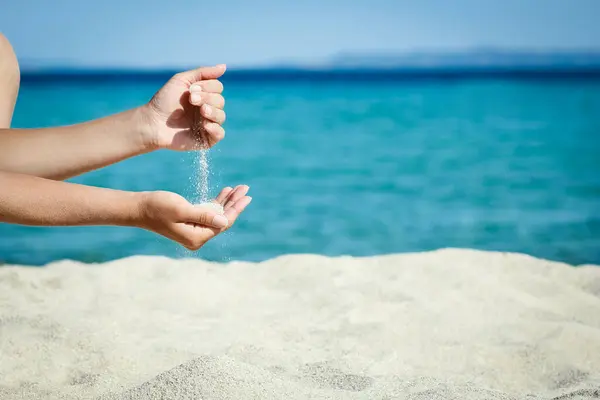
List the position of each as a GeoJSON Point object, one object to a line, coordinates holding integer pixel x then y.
{"type": "Point", "coordinates": [172, 216]}
{"type": "Point", "coordinates": [187, 113]}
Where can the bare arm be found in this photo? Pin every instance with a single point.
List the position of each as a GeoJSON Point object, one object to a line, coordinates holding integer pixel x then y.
{"type": "Point", "coordinates": [60, 153]}
{"type": "Point", "coordinates": [190, 104]}
{"type": "Point", "coordinates": [30, 200]}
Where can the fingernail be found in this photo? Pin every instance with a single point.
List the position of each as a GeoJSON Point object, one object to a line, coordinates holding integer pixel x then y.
{"type": "Point", "coordinates": [207, 109]}
{"type": "Point", "coordinates": [195, 88]}
{"type": "Point", "coordinates": [220, 221]}
{"type": "Point", "coordinates": [195, 98]}
{"type": "Point", "coordinates": [221, 66]}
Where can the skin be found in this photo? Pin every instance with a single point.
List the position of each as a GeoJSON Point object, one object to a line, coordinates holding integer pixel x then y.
{"type": "Point", "coordinates": [185, 114]}
{"type": "Point", "coordinates": [9, 81]}
{"type": "Point", "coordinates": [165, 122]}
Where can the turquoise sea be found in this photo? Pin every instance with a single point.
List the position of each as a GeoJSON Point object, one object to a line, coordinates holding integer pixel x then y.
{"type": "Point", "coordinates": [356, 167]}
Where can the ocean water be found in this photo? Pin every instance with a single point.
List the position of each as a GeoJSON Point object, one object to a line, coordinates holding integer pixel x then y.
{"type": "Point", "coordinates": [356, 167]}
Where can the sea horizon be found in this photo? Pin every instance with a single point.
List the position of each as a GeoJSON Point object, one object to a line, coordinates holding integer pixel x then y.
{"type": "Point", "coordinates": [469, 63]}
{"type": "Point", "coordinates": [290, 75]}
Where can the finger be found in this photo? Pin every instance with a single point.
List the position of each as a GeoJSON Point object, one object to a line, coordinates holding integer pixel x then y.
{"type": "Point", "coordinates": [223, 195]}
{"type": "Point", "coordinates": [202, 73]}
{"type": "Point", "coordinates": [214, 131]}
{"type": "Point", "coordinates": [237, 208]}
{"type": "Point", "coordinates": [239, 192]}
{"type": "Point", "coordinates": [197, 98]}
{"type": "Point", "coordinates": [230, 194]}
{"type": "Point", "coordinates": [234, 192]}
{"type": "Point", "coordinates": [213, 114]}
{"type": "Point", "coordinates": [211, 86]}
{"type": "Point", "coordinates": [205, 216]}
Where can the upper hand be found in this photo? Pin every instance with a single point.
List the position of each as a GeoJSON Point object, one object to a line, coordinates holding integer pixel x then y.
{"type": "Point", "coordinates": [172, 216]}
{"type": "Point", "coordinates": [187, 112]}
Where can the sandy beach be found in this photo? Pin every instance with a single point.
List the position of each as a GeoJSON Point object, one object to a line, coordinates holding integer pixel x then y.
{"type": "Point", "coordinates": [449, 324]}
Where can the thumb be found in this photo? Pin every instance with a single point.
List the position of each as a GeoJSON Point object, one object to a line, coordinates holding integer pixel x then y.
{"type": "Point", "coordinates": [203, 73]}
{"type": "Point", "coordinates": [205, 216]}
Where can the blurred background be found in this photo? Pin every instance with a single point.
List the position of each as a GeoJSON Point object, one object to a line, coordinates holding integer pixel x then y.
{"type": "Point", "coordinates": [362, 127]}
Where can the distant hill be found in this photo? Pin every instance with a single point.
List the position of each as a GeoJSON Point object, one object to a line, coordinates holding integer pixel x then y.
{"type": "Point", "coordinates": [484, 58]}
{"type": "Point", "coordinates": [478, 59]}
{"type": "Point", "coordinates": [485, 63]}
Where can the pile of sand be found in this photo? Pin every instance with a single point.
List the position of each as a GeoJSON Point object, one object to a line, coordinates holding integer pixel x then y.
{"type": "Point", "coordinates": [450, 324]}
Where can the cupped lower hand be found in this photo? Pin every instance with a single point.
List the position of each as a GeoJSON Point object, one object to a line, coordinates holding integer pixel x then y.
{"type": "Point", "coordinates": [187, 112]}
{"type": "Point", "coordinates": [172, 216]}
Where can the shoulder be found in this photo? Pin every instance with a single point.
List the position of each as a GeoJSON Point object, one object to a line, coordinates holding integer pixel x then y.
{"type": "Point", "coordinates": [7, 53]}
{"type": "Point", "coordinates": [5, 47]}
{"type": "Point", "coordinates": [4, 43]}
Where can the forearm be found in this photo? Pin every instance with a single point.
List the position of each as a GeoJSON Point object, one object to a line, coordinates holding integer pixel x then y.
{"type": "Point", "coordinates": [29, 200]}
{"type": "Point", "coordinates": [60, 153]}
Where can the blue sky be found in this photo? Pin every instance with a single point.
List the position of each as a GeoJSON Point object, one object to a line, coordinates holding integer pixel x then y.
{"type": "Point", "coordinates": [163, 33]}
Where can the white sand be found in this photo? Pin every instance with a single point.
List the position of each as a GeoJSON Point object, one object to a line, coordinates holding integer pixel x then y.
{"type": "Point", "coordinates": [450, 324]}
{"type": "Point", "coordinates": [215, 206]}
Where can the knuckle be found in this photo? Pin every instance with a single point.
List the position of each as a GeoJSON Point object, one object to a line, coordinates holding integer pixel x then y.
{"type": "Point", "coordinates": [188, 243]}
{"type": "Point", "coordinates": [197, 243]}
{"type": "Point", "coordinates": [204, 219]}
{"type": "Point", "coordinates": [192, 242]}
{"type": "Point", "coordinates": [178, 213]}
{"type": "Point", "coordinates": [215, 130]}
{"type": "Point", "coordinates": [209, 126]}
{"type": "Point", "coordinates": [218, 100]}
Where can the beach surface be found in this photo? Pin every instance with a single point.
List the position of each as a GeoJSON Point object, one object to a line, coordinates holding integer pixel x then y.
{"type": "Point", "coordinates": [448, 324]}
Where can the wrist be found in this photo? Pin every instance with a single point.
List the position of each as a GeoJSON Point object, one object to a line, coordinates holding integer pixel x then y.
{"type": "Point", "coordinates": [145, 122]}
{"type": "Point", "coordinates": [130, 210]}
